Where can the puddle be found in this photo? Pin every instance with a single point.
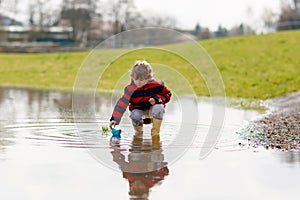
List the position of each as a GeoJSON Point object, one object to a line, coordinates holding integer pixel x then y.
{"type": "Point", "coordinates": [42, 156]}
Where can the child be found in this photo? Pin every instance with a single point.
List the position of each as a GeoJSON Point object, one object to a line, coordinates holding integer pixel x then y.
{"type": "Point", "coordinates": [145, 96]}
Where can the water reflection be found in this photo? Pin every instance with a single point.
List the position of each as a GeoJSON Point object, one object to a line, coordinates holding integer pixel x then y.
{"type": "Point", "coordinates": [289, 157]}
{"type": "Point", "coordinates": [6, 137]}
{"type": "Point", "coordinates": [5, 140]}
{"type": "Point", "coordinates": [40, 149]}
{"type": "Point", "coordinates": [144, 169]}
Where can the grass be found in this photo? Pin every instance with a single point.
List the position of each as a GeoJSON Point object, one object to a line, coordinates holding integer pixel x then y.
{"type": "Point", "coordinates": [51, 71]}
{"type": "Point", "coordinates": [261, 67]}
{"type": "Point", "coordinates": [258, 66]}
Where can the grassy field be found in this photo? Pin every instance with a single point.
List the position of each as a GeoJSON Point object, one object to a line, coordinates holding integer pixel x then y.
{"type": "Point", "coordinates": [260, 66]}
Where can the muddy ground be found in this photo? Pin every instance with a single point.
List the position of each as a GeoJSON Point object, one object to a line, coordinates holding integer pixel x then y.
{"type": "Point", "coordinates": [279, 128]}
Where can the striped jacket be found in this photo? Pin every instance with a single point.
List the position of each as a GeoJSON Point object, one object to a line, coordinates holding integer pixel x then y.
{"type": "Point", "coordinates": [138, 98]}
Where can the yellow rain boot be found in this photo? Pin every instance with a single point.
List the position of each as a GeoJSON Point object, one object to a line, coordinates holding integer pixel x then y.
{"type": "Point", "coordinates": [155, 133]}
{"type": "Point", "coordinates": [138, 136]}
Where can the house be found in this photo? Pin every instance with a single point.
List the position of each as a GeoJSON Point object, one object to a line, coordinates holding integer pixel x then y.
{"type": "Point", "coordinates": [13, 33]}
{"type": "Point", "coordinates": [7, 21]}
{"type": "Point", "coordinates": [61, 35]}
{"type": "Point", "coordinates": [12, 30]}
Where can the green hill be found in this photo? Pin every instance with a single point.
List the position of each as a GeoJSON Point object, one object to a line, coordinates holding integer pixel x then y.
{"type": "Point", "coordinates": [256, 66]}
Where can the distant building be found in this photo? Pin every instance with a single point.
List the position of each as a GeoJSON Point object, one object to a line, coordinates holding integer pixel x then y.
{"type": "Point", "coordinates": [7, 21]}
{"type": "Point", "coordinates": [12, 30]}
{"type": "Point", "coordinates": [55, 34]}
{"type": "Point", "coordinates": [242, 29]}
{"type": "Point", "coordinates": [289, 18]}
{"type": "Point", "coordinates": [186, 34]}
{"type": "Point", "coordinates": [221, 32]}
{"type": "Point", "coordinates": [13, 33]}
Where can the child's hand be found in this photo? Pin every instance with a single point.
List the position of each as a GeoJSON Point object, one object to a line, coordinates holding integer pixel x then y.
{"type": "Point", "coordinates": [152, 101]}
{"type": "Point", "coordinates": [112, 123]}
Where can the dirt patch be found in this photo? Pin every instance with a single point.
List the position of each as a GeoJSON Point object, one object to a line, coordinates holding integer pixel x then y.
{"type": "Point", "coordinates": [280, 128]}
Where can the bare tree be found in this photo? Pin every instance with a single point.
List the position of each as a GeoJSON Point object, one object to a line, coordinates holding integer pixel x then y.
{"type": "Point", "coordinates": [160, 21]}
{"type": "Point", "coordinates": [152, 19]}
{"type": "Point", "coordinates": [242, 29]}
{"type": "Point", "coordinates": [125, 16]}
{"type": "Point", "coordinates": [15, 8]}
{"type": "Point", "coordinates": [289, 17]}
{"type": "Point", "coordinates": [205, 34]}
{"type": "Point", "coordinates": [122, 12]}
{"type": "Point", "coordinates": [270, 19]}
{"type": "Point", "coordinates": [10, 8]}
{"type": "Point", "coordinates": [297, 5]}
{"type": "Point", "coordinates": [286, 19]}
{"type": "Point", "coordinates": [78, 14]}
{"type": "Point", "coordinates": [41, 14]}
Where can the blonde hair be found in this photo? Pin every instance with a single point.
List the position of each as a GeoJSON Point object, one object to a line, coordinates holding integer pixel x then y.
{"type": "Point", "coordinates": [141, 70]}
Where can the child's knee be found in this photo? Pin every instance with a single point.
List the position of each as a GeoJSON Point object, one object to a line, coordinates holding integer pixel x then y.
{"type": "Point", "coordinates": [136, 117]}
{"type": "Point", "coordinates": [157, 111]}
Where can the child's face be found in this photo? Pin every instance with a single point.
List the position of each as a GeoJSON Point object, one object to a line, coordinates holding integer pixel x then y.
{"type": "Point", "coordinates": [139, 82]}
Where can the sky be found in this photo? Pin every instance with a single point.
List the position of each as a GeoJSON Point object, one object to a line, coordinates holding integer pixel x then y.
{"type": "Point", "coordinates": [208, 13]}
{"type": "Point", "coordinates": [212, 13]}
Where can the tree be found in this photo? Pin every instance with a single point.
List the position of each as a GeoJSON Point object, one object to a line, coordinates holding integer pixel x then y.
{"type": "Point", "coordinates": [152, 19]}
{"type": "Point", "coordinates": [125, 16]}
{"type": "Point", "coordinates": [10, 8]}
{"type": "Point", "coordinates": [221, 32]}
{"type": "Point", "coordinates": [270, 19]}
{"type": "Point", "coordinates": [41, 14]}
{"type": "Point", "coordinates": [161, 21]}
{"type": "Point", "coordinates": [289, 17]}
{"type": "Point", "coordinates": [242, 29]}
{"type": "Point", "coordinates": [78, 15]}
{"type": "Point", "coordinates": [205, 34]}
{"type": "Point", "coordinates": [123, 13]}
{"type": "Point", "coordinates": [197, 30]}
{"type": "Point", "coordinates": [297, 5]}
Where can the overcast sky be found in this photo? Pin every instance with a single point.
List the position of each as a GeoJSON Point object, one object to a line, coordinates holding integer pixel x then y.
{"type": "Point", "coordinates": [208, 13]}
{"type": "Point", "coordinates": [211, 13]}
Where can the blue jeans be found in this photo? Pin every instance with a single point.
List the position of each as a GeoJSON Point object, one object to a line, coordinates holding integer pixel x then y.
{"type": "Point", "coordinates": [156, 111]}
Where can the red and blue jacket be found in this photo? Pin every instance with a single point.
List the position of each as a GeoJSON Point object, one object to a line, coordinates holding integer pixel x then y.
{"type": "Point", "coordinates": [138, 98]}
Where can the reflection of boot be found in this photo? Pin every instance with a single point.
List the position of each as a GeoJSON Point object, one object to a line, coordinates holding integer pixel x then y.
{"type": "Point", "coordinates": [138, 130]}
{"type": "Point", "coordinates": [155, 133]}
{"type": "Point", "coordinates": [155, 142]}
{"type": "Point", "coordinates": [138, 136]}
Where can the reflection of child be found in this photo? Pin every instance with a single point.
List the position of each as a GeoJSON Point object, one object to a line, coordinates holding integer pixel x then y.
{"type": "Point", "coordinates": [145, 96]}
{"type": "Point", "coordinates": [143, 168]}
{"type": "Point", "coordinates": [140, 183]}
